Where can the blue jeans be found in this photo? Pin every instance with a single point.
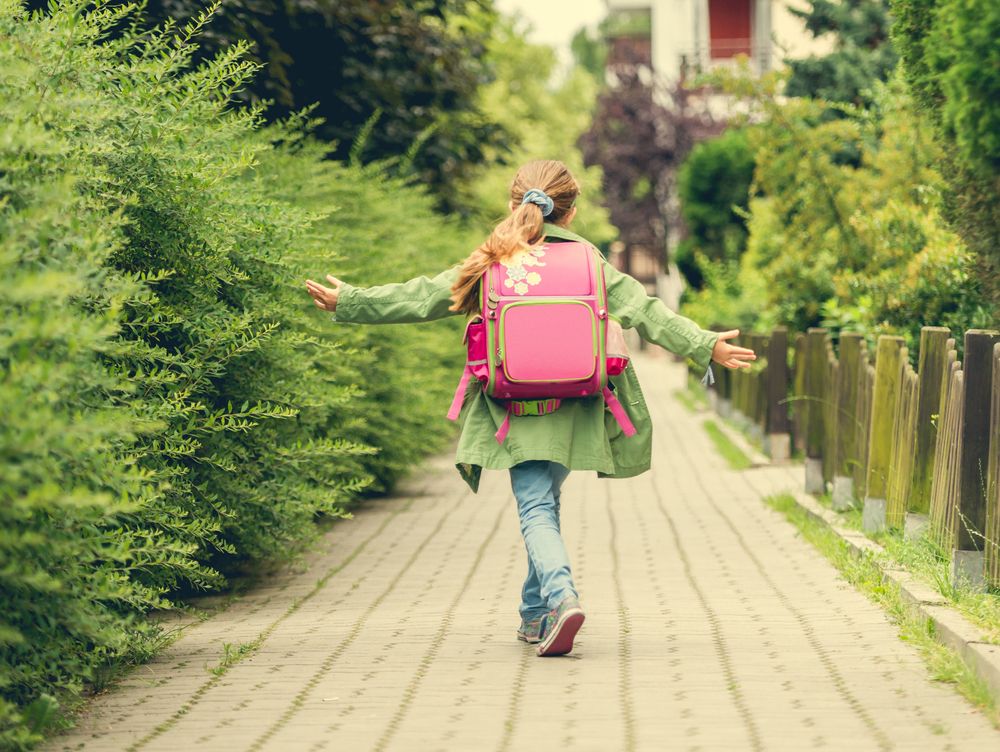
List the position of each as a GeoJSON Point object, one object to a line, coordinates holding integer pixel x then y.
{"type": "Point", "coordinates": [536, 487]}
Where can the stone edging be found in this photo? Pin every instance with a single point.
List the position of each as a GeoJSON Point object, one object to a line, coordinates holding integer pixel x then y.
{"type": "Point", "coordinates": [950, 627]}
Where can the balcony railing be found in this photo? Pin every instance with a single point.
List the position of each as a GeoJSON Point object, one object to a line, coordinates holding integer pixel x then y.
{"type": "Point", "coordinates": [723, 52]}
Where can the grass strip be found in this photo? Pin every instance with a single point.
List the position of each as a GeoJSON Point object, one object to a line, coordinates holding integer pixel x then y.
{"type": "Point", "coordinates": [686, 398]}
{"type": "Point", "coordinates": [863, 571]}
{"type": "Point", "coordinates": [928, 562]}
{"type": "Point", "coordinates": [731, 453]}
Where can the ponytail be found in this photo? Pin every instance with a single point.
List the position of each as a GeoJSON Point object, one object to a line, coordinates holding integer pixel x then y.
{"type": "Point", "coordinates": [543, 189]}
{"type": "Point", "coordinates": [521, 230]}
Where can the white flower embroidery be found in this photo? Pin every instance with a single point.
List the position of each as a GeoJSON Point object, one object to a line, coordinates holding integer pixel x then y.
{"type": "Point", "coordinates": [517, 276]}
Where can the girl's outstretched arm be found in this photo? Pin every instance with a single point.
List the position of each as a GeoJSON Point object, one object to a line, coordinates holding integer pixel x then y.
{"type": "Point", "coordinates": [419, 299]}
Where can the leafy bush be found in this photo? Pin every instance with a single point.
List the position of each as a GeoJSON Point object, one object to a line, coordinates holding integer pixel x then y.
{"type": "Point", "coordinates": [952, 66]}
{"type": "Point", "coordinates": [862, 55]}
{"type": "Point", "coordinates": [419, 64]}
{"type": "Point", "coordinates": [863, 246]}
{"type": "Point", "coordinates": [950, 55]}
{"type": "Point", "coordinates": [172, 400]}
{"type": "Point", "coordinates": [641, 133]}
{"type": "Point", "coordinates": [714, 187]}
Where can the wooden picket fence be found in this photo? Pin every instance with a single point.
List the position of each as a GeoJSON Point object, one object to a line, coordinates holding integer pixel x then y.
{"type": "Point", "coordinates": [916, 448]}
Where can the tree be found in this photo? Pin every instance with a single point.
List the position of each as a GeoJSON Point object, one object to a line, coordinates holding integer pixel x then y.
{"type": "Point", "coordinates": [544, 120]}
{"type": "Point", "coordinates": [411, 69]}
{"type": "Point", "coordinates": [590, 51]}
{"type": "Point", "coordinates": [714, 188]}
{"type": "Point", "coordinates": [951, 62]}
{"type": "Point", "coordinates": [843, 245]}
{"type": "Point", "coordinates": [862, 52]}
{"type": "Point", "coordinates": [641, 133]}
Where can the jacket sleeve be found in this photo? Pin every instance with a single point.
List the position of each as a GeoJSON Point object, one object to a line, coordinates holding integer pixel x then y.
{"type": "Point", "coordinates": [419, 299]}
{"type": "Point", "coordinates": [629, 303]}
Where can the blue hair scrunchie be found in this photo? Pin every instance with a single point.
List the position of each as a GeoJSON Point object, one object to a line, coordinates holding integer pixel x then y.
{"type": "Point", "coordinates": [541, 198]}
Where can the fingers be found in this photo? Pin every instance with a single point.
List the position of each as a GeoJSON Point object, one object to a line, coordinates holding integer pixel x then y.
{"type": "Point", "coordinates": [729, 335]}
{"type": "Point", "coordinates": [333, 280]}
{"type": "Point", "coordinates": [323, 297]}
{"type": "Point", "coordinates": [736, 357]}
{"type": "Point", "coordinates": [316, 287]}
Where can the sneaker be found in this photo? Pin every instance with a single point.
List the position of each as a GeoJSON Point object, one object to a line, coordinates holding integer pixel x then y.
{"type": "Point", "coordinates": [529, 630]}
{"type": "Point", "coordinates": [559, 626]}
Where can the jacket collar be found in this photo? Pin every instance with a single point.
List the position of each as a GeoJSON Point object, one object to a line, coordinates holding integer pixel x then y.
{"type": "Point", "coordinates": [555, 231]}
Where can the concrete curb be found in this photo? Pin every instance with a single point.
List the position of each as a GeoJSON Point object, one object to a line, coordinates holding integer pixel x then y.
{"type": "Point", "coordinates": [950, 627]}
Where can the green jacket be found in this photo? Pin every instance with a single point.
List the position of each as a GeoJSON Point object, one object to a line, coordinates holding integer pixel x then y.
{"type": "Point", "coordinates": [581, 434]}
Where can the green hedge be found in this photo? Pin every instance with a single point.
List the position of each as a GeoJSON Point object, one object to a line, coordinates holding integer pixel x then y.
{"type": "Point", "coordinates": [172, 401]}
{"type": "Point", "coordinates": [857, 244]}
{"type": "Point", "coordinates": [951, 62]}
{"type": "Point", "coordinates": [713, 185]}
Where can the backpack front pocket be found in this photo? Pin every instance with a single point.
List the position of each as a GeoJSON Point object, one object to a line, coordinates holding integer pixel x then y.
{"type": "Point", "coordinates": [548, 341]}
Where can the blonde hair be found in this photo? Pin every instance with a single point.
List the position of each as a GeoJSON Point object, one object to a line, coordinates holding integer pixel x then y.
{"type": "Point", "coordinates": [520, 230]}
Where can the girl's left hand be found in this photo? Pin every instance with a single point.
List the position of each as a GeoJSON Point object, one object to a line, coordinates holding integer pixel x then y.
{"type": "Point", "coordinates": [325, 297]}
{"type": "Point", "coordinates": [731, 356]}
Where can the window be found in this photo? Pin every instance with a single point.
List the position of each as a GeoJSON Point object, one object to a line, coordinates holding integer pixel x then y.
{"type": "Point", "coordinates": [729, 28]}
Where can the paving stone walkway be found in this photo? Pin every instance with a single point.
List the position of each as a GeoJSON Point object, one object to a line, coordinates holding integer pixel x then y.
{"type": "Point", "coordinates": [711, 625]}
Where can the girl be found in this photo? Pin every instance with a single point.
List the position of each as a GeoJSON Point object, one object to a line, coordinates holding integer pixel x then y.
{"type": "Point", "coordinates": [540, 450]}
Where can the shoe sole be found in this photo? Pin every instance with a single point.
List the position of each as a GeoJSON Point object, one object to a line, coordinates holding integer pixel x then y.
{"type": "Point", "coordinates": [532, 641]}
{"type": "Point", "coordinates": [560, 641]}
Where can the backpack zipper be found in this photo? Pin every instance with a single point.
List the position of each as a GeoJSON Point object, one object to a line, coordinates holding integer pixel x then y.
{"type": "Point", "coordinates": [492, 299]}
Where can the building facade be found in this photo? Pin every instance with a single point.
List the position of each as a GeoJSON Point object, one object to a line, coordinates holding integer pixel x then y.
{"type": "Point", "coordinates": [680, 36]}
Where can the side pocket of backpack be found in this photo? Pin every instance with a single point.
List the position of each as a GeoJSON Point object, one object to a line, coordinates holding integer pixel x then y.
{"type": "Point", "coordinates": [475, 341]}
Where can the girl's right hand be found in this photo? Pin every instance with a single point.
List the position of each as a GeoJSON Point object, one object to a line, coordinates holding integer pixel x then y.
{"type": "Point", "coordinates": [325, 297]}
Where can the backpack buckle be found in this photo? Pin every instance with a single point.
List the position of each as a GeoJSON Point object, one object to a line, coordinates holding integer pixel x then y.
{"type": "Point", "coordinates": [534, 407]}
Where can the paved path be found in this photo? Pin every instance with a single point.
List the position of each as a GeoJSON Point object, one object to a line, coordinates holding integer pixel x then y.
{"type": "Point", "coordinates": [710, 626]}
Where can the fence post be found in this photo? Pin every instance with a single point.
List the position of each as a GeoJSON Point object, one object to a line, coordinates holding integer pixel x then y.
{"type": "Point", "coordinates": [863, 422]}
{"type": "Point", "coordinates": [831, 375]}
{"type": "Point", "coordinates": [968, 561]}
{"type": "Point", "coordinates": [798, 391]}
{"type": "Point", "coordinates": [778, 438]}
{"type": "Point", "coordinates": [727, 402]}
{"type": "Point", "coordinates": [932, 370]}
{"type": "Point", "coordinates": [993, 480]}
{"type": "Point", "coordinates": [814, 378]}
{"type": "Point", "coordinates": [901, 456]}
{"type": "Point", "coordinates": [758, 395]}
{"type": "Point", "coordinates": [946, 452]}
{"type": "Point", "coordinates": [884, 398]}
{"type": "Point", "coordinates": [848, 388]}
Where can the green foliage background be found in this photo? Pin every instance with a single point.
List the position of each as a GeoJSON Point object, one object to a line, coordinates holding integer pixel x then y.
{"type": "Point", "coordinates": [417, 64]}
{"type": "Point", "coordinates": [545, 119]}
{"type": "Point", "coordinates": [171, 399]}
{"type": "Point", "coordinates": [713, 185]}
{"type": "Point", "coordinates": [861, 57]}
{"type": "Point", "coordinates": [859, 243]}
{"type": "Point", "coordinates": [951, 63]}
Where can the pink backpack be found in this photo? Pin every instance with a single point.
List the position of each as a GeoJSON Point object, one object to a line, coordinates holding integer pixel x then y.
{"type": "Point", "coordinates": [542, 335]}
